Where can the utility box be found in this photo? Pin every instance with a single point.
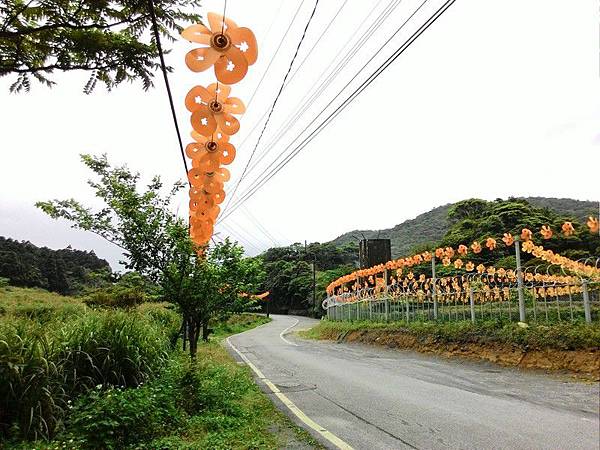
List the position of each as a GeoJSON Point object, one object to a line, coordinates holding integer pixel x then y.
{"type": "Point", "coordinates": [374, 251]}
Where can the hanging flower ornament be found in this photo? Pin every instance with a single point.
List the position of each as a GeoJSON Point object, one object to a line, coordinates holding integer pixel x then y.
{"type": "Point", "coordinates": [490, 243]}
{"type": "Point", "coordinates": [568, 229]}
{"type": "Point", "coordinates": [212, 108]}
{"type": "Point", "coordinates": [229, 48]}
{"type": "Point", "coordinates": [526, 234]}
{"type": "Point", "coordinates": [470, 266]}
{"type": "Point", "coordinates": [508, 239]}
{"type": "Point", "coordinates": [476, 247]}
{"type": "Point", "coordinates": [463, 250]}
{"type": "Point", "coordinates": [593, 224]}
{"type": "Point", "coordinates": [546, 232]}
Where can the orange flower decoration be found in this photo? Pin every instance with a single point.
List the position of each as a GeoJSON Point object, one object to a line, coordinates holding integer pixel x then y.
{"type": "Point", "coordinates": [476, 247]}
{"type": "Point", "coordinates": [490, 243]}
{"type": "Point", "coordinates": [449, 252]}
{"type": "Point", "coordinates": [211, 107]}
{"type": "Point", "coordinates": [546, 232]}
{"type": "Point", "coordinates": [567, 228]}
{"type": "Point", "coordinates": [463, 250]}
{"type": "Point", "coordinates": [427, 256]}
{"type": "Point", "coordinates": [593, 224]}
{"type": "Point", "coordinates": [439, 253]}
{"type": "Point", "coordinates": [209, 154]}
{"type": "Point", "coordinates": [508, 239]}
{"type": "Point", "coordinates": [469, 266]}
{"type": "Point", "coordinates": [458, 263]}
{"type": "Point", "coordinates": [480, 268]}
{"type": "Point", "coordinates": [446, 261]}
{"type": "Point", "coordinates": [231, 49]}
{"type": "Point", "coordinates": [526, 234]}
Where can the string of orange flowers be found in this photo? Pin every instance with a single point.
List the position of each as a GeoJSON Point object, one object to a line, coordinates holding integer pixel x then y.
{"type": "Point", "coordinates": [229, 49]}
{"type": "Point", "coordinates": [446, 254]}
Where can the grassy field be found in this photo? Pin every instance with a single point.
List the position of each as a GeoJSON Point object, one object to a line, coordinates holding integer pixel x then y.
{"type": "Point", "coordinates": [82, 378]}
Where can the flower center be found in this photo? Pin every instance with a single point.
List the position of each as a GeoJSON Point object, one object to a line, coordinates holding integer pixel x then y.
{"type": "Point", "coordinates": [211, 146]}
{"type": "Point", "coordinates": [220, 42]}
{"type": "Point", "coordinates": [216, 106]}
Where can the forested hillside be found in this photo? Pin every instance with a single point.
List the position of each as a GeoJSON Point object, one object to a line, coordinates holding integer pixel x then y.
{"type": "Point", "coordinates": [431, 227]}
{"type": "Point", "coordinates": [64, 271]}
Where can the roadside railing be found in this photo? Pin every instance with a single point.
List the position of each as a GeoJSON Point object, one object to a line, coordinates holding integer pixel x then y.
{"type": "Point", "coordinates": [541, 297]}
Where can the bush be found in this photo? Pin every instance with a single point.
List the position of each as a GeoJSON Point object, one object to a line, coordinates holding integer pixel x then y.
{"type": "Point", "coordinates": [115, 418]}
{"type": "Point", "coordinates": [4, 282]}
{"type": "Point", "coordinates": [116, 297]}
{"type": "Point", "coordinates": [32, 398]}
{"type": "Point", "coordinates": [111, 348]}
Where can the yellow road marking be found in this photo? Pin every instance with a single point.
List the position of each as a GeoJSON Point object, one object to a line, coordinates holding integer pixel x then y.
{"type": "Point", "coordinates": [292, 406]}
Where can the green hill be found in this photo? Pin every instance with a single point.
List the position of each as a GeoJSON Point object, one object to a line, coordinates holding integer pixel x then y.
{"type": "Point", "coordinates": [433, 225]}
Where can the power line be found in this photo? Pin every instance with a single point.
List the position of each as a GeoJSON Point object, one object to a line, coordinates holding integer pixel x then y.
{"type": "Point", "coordinates": [164, 71]}
{"type": "Point", "coordinates": [260, 226]}
{"type": "Point", "coordinates": [338, 110]}
{"type": "Point", "coordinates": [389, 8]}
{"type": "Point", "coordinates": [302, 107]}
{"type": "Point", "coordinates": [276, 99]}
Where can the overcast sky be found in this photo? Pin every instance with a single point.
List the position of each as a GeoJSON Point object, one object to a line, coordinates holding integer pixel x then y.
{"type": "Point", "coordinates": [495, 99]}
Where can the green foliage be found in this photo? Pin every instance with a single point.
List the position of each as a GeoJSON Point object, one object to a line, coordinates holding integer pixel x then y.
{"type": "Point", "coordinates": [115, 418]}
{"type": "Point", "coordinates": [49, 357]}
{"type": "Point", "coordinates": [65, 271]}
{"type": "Point", "coordinates": [129, 291]}
{"type": "Point", "coordinates": [432, 226]}
{"type": "Point", "coordinates": [563, 336]}
{"type": "Point", "coordinates": [111, 348]}
{"type": "Point", "coordinates": [4, 282]}
{"type": "Point", "coordinates": [112, 40]}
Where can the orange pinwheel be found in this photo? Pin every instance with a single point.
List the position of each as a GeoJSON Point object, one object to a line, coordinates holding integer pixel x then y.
{"type": "Point", "coordinates": [446, 261]}
{"type": "Point", "coordinates": [463, 250]}
{"type": "Point", "coordinates": [469, 266]}
{"type": "Point", "coordinates": [480, 268]}
{"type": "Point", "coordinates": [209, 154]}
{"type": "Point", "coordinates": [526, 234]}
{"type": "Point", "coordinates": [508, 239]}
{"type": "Point", "coordinates": [593, 224]}
{"type": "Point", "coordinates": [476, 247]}
{"type": "Point", "coordinates": [212, 108]}
{"type": "Point", "coordinates": [546, 232]}
{"type": "Point", "coordinates": [490, 243]}
{"type": "Point", "coordinates": [567, 228]}
{"type": "Point", "coordinates": [458, 263]}
{"type": "Point", "coordinates": [231, 49]}
{"type": "Point", "coordinates": [439, 253]}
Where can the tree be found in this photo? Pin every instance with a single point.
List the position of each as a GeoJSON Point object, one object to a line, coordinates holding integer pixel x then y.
{"type": "Point", "coordinates": [203, 283]}
{"type": "Point", "coordinates": [112, 40]}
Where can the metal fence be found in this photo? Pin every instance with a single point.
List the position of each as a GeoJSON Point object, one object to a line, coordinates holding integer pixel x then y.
{"type": "Point", "coordinates": [533, 297]}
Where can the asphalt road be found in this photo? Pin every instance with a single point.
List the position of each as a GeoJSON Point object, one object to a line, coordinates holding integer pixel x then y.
{"type": "Point", "coordinates": [374, 398]}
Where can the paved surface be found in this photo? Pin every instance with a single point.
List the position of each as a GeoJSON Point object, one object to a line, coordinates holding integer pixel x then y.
{"type": "Point", "coordinates": [374, 398]}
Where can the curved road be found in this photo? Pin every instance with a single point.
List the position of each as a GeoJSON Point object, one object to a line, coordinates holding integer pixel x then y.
{"type": "Point", "coordinates": [375, 398]}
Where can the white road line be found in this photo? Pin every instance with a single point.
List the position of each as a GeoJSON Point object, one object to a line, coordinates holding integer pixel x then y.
{"type": "Point", "coordinates": [291, 405]}
{"type": "Point", "coordinates": [286, 330]}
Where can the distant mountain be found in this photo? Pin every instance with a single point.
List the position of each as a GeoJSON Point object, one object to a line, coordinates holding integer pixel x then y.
{"type": "Point", "coordinates": [431, 226]}
{"type": "Point", "coordinates": [65, 271]}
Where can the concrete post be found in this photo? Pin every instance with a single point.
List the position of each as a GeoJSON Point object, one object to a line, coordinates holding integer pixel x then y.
{"type": "Point", "coordinates": [520, 281]}
{"type": "Point", "coordinates": [434, 289]}
{"type": "Point", "coordinates": [472, 303]}
{"type": "Point", "coordinates": [586, 301]}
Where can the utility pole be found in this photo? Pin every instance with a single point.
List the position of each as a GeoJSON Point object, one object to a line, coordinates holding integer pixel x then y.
{"type": "Point", "coordinates": [314, 279]}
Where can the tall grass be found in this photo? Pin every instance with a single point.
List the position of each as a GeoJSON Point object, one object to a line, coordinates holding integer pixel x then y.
{"type": "Point", "coordinates": [47, 361]}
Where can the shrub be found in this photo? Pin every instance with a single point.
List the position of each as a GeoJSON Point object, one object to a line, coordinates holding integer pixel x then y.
{"type": "Point", "coordinates": [111, 348]}
{"type": "Point", "coordinates": [115, 418]}
{"type": "Point", "coordinates": [32, 398]}
{"type": "Point", "coordinates": [116, 297]}
{"type": "Point", "coordinates": [4, 282]}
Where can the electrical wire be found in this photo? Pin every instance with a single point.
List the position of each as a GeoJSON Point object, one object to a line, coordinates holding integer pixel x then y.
{"type": "Point", "coordinates": [389, 9]}
{"type": "Point", "coordinates": [302, 107]}
{"type": "Point", "coordinates": [348, 100]}
{"type": "Point", "coordinates": [277, 96]}
{"type": "Point", "coordinates": [163, 67]}
{"type": "Point", "coordinates": [259, 225]}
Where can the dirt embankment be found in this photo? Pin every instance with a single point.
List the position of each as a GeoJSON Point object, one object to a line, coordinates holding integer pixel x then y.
{"type": "Point", "coordinates": [583, 363]}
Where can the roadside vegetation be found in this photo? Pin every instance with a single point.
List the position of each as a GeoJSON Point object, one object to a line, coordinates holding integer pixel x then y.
{"type": "Point", "coordinates": [108, 378]}
{"type": "Point", "coordinates": [571, 348]}
{"type": "Point", "coordinates": [565, 336]}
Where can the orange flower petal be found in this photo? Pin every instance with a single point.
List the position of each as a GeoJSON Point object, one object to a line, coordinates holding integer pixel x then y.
{"type": "Point", "coordinates": [231, 67]}
{"type": "Point", "coordinates": [243, 38]}
{"type": "Point", "coordinates": [195, 97]}
{"type": "Point", "coordinates": [203, 121]}
{"type": "Point", "coordinates": [197, 33]}
{"type": "Point", "coordinates": [200, 59]}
